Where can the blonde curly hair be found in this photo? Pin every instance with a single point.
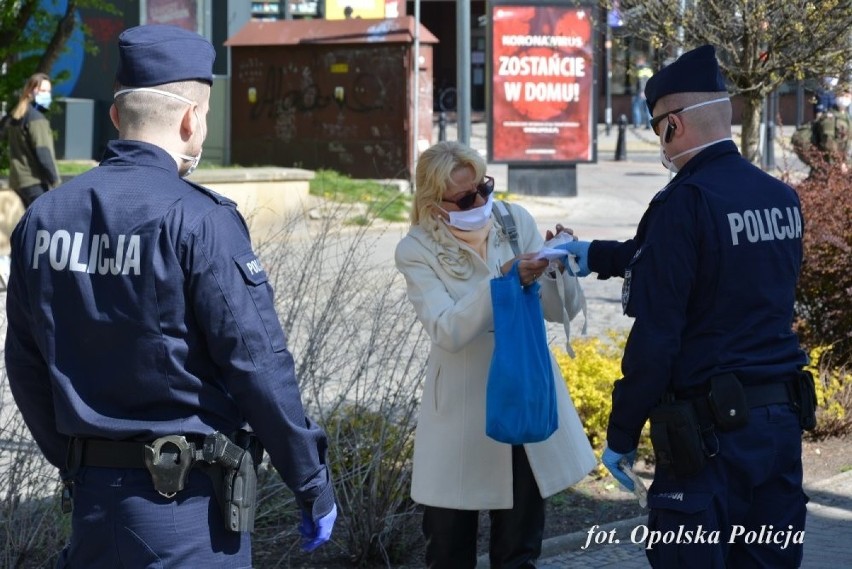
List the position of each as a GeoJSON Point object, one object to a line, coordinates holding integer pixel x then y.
{"type": "Point", "coordinates": [432, 175]}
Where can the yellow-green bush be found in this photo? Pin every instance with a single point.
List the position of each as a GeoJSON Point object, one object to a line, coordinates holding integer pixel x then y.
{"type": "Point", "coordinates": [834, 394]}
{"type": "Point", "coordinates": [590, 377]}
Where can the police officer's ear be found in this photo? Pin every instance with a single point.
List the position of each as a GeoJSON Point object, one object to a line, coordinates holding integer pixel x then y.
{"type": "Point", "coordinates": [188, 123]}
{"type": "Point", "coordinates": [113, 116]}
{"type": "Point", "coordinates": [670, 128]}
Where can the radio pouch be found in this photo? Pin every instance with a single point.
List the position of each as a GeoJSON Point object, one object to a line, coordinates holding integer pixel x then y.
{"type": "Point", "coordinates": [728, 402]}
{"type": "Point", "coordinates": [804, 396]}
{"type": "Point", "coordinates": [676, 438]}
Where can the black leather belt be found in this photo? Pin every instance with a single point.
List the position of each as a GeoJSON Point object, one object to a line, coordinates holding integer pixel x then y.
{"type": "Point", "coordinates": [767, 394]}
{"type": "Point", "coordinates": [756, 396]}
{"type": "Point", "coordinates": [108, 454]}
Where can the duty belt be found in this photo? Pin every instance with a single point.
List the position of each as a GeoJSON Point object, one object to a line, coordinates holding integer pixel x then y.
{"type": "Point", "coordinates": [756, 396]}
{"type": "Point", "coordinates": [168, 458]}
{"type": "Point", "coordinates": [767, 394]}
{"type": "Point", "coordinates": [113, 454]}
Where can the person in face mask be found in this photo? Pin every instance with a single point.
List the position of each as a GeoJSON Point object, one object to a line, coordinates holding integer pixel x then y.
{"type": "Point", "coordinates": [143, 348]}
{"type": "Point", "coordinates": [844, 102]}
{"type": "Point", "coordinates": [704, 124]}
{"type": "Point", "coordinates": [710, 280]}
{"type": "Point", "coordinates": [455, 246]}
{"type": "Point", "coordinates": [32, 160]}
{"type": "Point", "coordinates": [844, 109]}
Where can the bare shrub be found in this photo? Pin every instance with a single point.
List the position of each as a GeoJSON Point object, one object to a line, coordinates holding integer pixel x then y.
{"type": "Point", "coordinates": [360, 356]}
{"type": "Point", "coordinates": [32, 531]}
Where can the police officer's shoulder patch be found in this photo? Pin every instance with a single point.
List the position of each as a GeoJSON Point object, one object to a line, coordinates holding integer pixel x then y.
{"type": "Point", "coordinates": [251, 268]}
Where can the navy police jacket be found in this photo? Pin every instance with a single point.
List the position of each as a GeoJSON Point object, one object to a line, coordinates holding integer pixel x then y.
{"type": "Point", "coordinates": [710, 279]}
{"type": "Point", "coordinates": [137, 309]}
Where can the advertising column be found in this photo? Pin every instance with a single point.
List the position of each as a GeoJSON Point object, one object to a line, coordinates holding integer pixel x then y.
{"type": "Point", "coordinates": [542, 94]}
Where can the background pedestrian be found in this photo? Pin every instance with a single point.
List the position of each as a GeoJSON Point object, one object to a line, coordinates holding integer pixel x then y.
{"type": "Point", "coordinates": [32, 160]}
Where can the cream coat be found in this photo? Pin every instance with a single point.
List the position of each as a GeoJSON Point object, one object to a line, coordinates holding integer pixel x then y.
{"type": "Point", "coordinates": [455, 464]}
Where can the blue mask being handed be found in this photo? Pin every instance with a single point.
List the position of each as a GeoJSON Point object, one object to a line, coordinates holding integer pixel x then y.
{"type": "Point", "coordinates": [43, 100]}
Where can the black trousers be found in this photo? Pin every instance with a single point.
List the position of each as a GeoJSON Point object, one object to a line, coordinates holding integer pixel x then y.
{"type": "Point", "coordinates": [516, 534]}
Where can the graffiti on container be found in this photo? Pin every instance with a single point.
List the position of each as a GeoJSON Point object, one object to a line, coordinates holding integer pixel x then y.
{"type": "Point", "coordinates": [285, 125]}
{"type": "Point", "coordinates": [340, 129]}
{"type": "Point", "coordinates": [343, 155]}
{"type": "Point", "coordinates": [367, 93]}
{"type": "Point", "coordinates": [250, 71]}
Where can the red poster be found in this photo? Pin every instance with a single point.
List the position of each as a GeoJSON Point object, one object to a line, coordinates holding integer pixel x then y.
{"type": "Point", "coordinates": [542, 84]}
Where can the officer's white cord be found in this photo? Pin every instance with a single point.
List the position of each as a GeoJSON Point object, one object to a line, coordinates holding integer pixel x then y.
{"type": "Point", "coordinates": [151, 90]}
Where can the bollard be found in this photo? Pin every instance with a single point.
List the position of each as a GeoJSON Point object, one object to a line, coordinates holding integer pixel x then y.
{"type": "Point", "coordinates": [621, 143]}
{"type": "Point", "coordinates": [442, 126]}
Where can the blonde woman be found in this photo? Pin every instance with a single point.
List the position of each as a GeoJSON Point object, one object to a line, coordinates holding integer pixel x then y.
{"type": "Point", "coordinates": [452, 251]}
{"type": "Point", "coordinates": [32, 160]}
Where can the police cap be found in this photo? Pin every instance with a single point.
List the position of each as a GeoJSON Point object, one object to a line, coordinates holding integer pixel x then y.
{"type": "Point", "coordinates": [695, 71]}
{"type": "Point", "coordinates": [155, 54]}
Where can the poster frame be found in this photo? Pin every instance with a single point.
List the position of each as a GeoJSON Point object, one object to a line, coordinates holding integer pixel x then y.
{"type": "Point", "coordinates": [593, 109]}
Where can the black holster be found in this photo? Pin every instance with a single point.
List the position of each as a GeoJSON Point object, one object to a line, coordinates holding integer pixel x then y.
{"type": "Point", "coordinates": [235, 480]}
{"type": "Point", "coordinates": [805, 400]}
{"type": "Point", "coordinates": [676, 437]}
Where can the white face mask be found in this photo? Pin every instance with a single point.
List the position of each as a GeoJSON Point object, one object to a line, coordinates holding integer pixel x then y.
{"type": "Point", "coordinates": [43, 100]}
{"type": "Point", "coordinates": [470, 219]}
{"type": "Point", "coordinates": [668, 163]}
{"type": "Point", "coordinates": [194, 160]}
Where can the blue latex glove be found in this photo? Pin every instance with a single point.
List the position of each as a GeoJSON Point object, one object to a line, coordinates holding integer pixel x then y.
{"type": "Point", "coordinates": [580, 251]}
{"type": "Point", "coordinates": [316, 533]}
{"type": "Point", "coordinates": [612, 460]}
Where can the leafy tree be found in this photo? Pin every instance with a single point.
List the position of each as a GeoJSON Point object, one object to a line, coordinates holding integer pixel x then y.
{"type": "Point", "coordinates": [760, 43]}
{"type": "Point", "coordinates": [32, 38]}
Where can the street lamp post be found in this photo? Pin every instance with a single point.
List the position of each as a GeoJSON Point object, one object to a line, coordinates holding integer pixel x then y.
{"type": "Point", "coordinates": [463, 71]}
{"type": "Point", "coordinates": [608, 86]}
{"type": "Point", "coordinates": [613, 20]}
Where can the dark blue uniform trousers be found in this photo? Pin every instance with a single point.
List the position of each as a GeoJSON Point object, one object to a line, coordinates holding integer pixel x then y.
{"type": "Point", "coordinates": [750, 493]}
{"type": "Point", "coordinates": [120, 521]}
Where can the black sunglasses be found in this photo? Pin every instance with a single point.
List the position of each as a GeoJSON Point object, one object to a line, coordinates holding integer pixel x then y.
{"type": "Point", "coordinates": [483, 188]}
{"type": "Point", "coordinates": [655, 121]}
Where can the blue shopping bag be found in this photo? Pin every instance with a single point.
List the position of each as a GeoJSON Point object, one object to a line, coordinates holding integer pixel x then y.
{"type": "Point", "coordinates": [520, 401]}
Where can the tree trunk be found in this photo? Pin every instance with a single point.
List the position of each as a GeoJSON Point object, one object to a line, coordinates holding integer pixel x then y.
{"type": "Point", "coordinates": [64, 29]}
{"type": "Point", "coordinates": [752, 114]}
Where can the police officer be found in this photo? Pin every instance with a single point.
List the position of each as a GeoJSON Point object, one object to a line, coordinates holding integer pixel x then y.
{"type": "Point", "coordinates": [141, 323]}
{"type": "Point", "coordinates": [710, 279]}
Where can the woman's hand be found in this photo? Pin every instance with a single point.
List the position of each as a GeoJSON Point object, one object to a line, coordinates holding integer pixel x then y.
{"type": "Point", "coordinates": [529, 268]}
